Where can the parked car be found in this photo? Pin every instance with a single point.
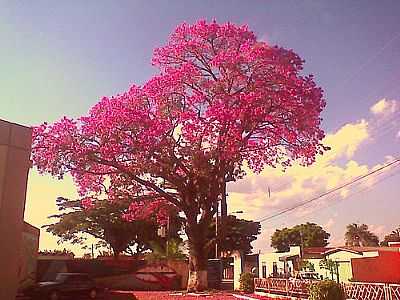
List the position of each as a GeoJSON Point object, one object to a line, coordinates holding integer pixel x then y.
{"type": "Point", "coordinates": [66, 285]}
{"type": "Point", "coordinates": [307, 276]}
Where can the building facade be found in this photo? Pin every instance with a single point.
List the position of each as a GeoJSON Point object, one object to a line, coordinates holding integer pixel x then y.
{"type": "Point", "coordinates": [15, 145]}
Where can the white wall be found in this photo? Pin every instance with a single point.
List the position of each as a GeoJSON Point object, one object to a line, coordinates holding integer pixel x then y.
{"type": "Point", "coordinates": [268, 259]}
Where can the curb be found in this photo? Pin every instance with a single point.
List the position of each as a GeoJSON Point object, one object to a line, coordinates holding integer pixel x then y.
{"type": "Point", "coordinates": [243, 297]}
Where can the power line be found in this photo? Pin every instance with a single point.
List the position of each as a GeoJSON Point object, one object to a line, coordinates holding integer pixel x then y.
{"type": "Point", "coordinates": [330, 191]}
{"type": "Point", "coordinates": [370, 59]}
{"type": "Point", "coordinates": [347, 197]}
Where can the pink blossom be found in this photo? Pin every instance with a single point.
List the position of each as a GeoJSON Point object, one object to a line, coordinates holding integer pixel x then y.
{"type": "Point", "coordinates": [221, 98]}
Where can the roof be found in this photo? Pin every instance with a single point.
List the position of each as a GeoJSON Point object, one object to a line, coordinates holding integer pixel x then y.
{"type": "Point", "coordinates": [28, 228]}
{"type": "Point", "coordinates": [346, 249]}
{"type": "Point", "coordinates": [14, 124]}
{"type": "Point", "coordinates": [320, 252]}
{"type": "Point", "coordinates": [371, 249]}
{"type": "Point", "coordinates": [288, 257]}
{"type": "Point", "coordinates": [315, 252]}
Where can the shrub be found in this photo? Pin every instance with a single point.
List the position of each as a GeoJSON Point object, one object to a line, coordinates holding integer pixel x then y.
{"type": "Point", "coordinates": [326, 290]}
{"type": "Point", "coordinates": [247, 282]}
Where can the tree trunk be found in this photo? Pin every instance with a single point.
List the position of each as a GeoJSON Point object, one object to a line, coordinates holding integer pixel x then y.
{"type": "Point", "coordinates": [198, 259]}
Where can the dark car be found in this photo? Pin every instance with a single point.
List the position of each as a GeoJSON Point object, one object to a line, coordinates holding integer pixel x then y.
{"type": "Point", "coordinates": [65, 286]}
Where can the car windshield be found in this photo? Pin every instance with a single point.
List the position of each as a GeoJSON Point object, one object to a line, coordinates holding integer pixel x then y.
{"type": "Point", "coordinates": [62, 277]}
{"type": "Point", "coordinates": [309, 276]}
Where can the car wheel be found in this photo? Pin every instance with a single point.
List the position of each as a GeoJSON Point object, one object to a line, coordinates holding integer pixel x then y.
{"type": "Point", "coordinates": [53, 295]}
{"type": "Point", "coordinates": [92, 294]}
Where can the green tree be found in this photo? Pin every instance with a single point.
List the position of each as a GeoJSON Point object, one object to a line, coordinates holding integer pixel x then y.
{"type": "Point", "coordinates": [56, 252]}
{"type": "Point", "coordinates": [172, 249]}
{"type": "Point", "coordinates": [233, 234]}
{"type": "Point", "coordinates": [103, 221]}
{"type": "Point", "coordinates": [326, 290]}
{"type": "Point", "coordinates": [331, 266]}
{"type": "Point", "coordinates": [306, 235]}
{"type": "Point", "coordinates": [358, 235]}
{"type": "Point", "coordinates": [306, 265]}
{"type": "Point", "coordinates": [394, 236]}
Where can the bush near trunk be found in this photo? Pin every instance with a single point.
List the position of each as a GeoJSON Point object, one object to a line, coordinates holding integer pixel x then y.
{"type": "Point", "coordinates": [326, 290]}
{"type": "Point", "coordinates": [247, 282]}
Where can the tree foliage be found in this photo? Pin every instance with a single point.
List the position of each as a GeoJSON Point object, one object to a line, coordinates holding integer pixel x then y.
{"type": "Point", "coordinates": [330, 265]}
{"type": "Point", "coordinates": [103, 221]}
{"type": "Point", "coordinates": [306, 235]}
{"type": "Point", "coordinates": [220, 98]}
{"type": "Point", "coordinates": [306, 265]}
{"type": "Point", "coordinates": [56, 252]}
{"type": "Point", "coordinates": [172, 249]}
{"type": "Point", "coordinates": [327, 290]}
{"type": "Point", "coordinates": [234, 234]}
{"type": "Point", "coordinates": [246, 281]}
{"type": "Point", "coordinates": [394, 236]}
{"type": "Point", "coordinates": [358, 235]}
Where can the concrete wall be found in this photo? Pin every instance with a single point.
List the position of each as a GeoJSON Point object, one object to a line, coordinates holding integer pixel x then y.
{"type": "Point", "coordinates": [237, 269]}
{"type": "Point", "coordinates": [123, 273]}
{"type": "Point", "coordinates": [28, 256]}
{"type": "Point", "coordinates": [15, 144]}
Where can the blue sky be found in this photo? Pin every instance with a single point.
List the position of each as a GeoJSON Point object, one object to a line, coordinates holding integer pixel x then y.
{"type": "Point", "coordinates": [59, 58]}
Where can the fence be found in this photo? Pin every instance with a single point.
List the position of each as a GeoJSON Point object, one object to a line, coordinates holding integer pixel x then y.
{"type": "Point", "coordinates": [354, 290]}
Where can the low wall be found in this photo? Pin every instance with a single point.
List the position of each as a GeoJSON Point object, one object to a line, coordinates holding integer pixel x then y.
{"type": "Point", "coordinates": [294, 288]}
{"type": "Point", "coordinates": [124, 273]}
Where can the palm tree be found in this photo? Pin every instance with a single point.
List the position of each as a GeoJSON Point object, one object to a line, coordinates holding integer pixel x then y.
{"type": "Point", "coordinates": [394, 236]}
{"type": "Point", "coordinates": [358, 235]}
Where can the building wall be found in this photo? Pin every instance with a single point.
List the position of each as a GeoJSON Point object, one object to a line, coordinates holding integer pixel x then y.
{"type": "Point", "coordinates": [385, 268]}
{"type": "Point", "coordinates": [268, 259]}
{"type": "Point", "coordinates": [343, 258]}
{"type": "Point", "coordinates": [28, 256]}
{"type": "Point", "coordinates": [15, 143]}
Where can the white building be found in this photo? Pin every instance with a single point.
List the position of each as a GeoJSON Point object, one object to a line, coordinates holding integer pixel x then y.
{"type": "Point", "coordinates": [285, 264]}
{"type": "Point", "coordinates": [279, 264]}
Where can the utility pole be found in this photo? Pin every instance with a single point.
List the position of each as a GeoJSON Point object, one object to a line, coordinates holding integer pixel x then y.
{"type": "Point", "coordinates": [301, 243]}
{"type": "Point", "coordinates": [224, 206]}
{"type": "Point", "coordinates": [167, 243]}
{"type": "Point", "coordinates": [216, 231]}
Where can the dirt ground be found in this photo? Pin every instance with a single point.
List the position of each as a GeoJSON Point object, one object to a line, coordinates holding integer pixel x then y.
{"type": "Point", "coordinates": [183, 296]}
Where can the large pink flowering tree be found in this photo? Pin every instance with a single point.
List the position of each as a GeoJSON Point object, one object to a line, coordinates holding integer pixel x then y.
{"type": "Point", "coordinates": [221, 99]}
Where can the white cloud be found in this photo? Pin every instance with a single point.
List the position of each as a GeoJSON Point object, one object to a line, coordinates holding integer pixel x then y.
{"type": "Point", "coordinates": [346, 140]}
{"type": "Point", "coordinates": [328, 225]}
{"type": "Point", "coordinates": [297, 184]}
{"type": "Point", "coordinates": [384, 106]}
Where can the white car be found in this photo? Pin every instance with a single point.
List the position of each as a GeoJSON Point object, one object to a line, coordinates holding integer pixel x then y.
{"type": "Point", "coordinates": [307, 276]}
